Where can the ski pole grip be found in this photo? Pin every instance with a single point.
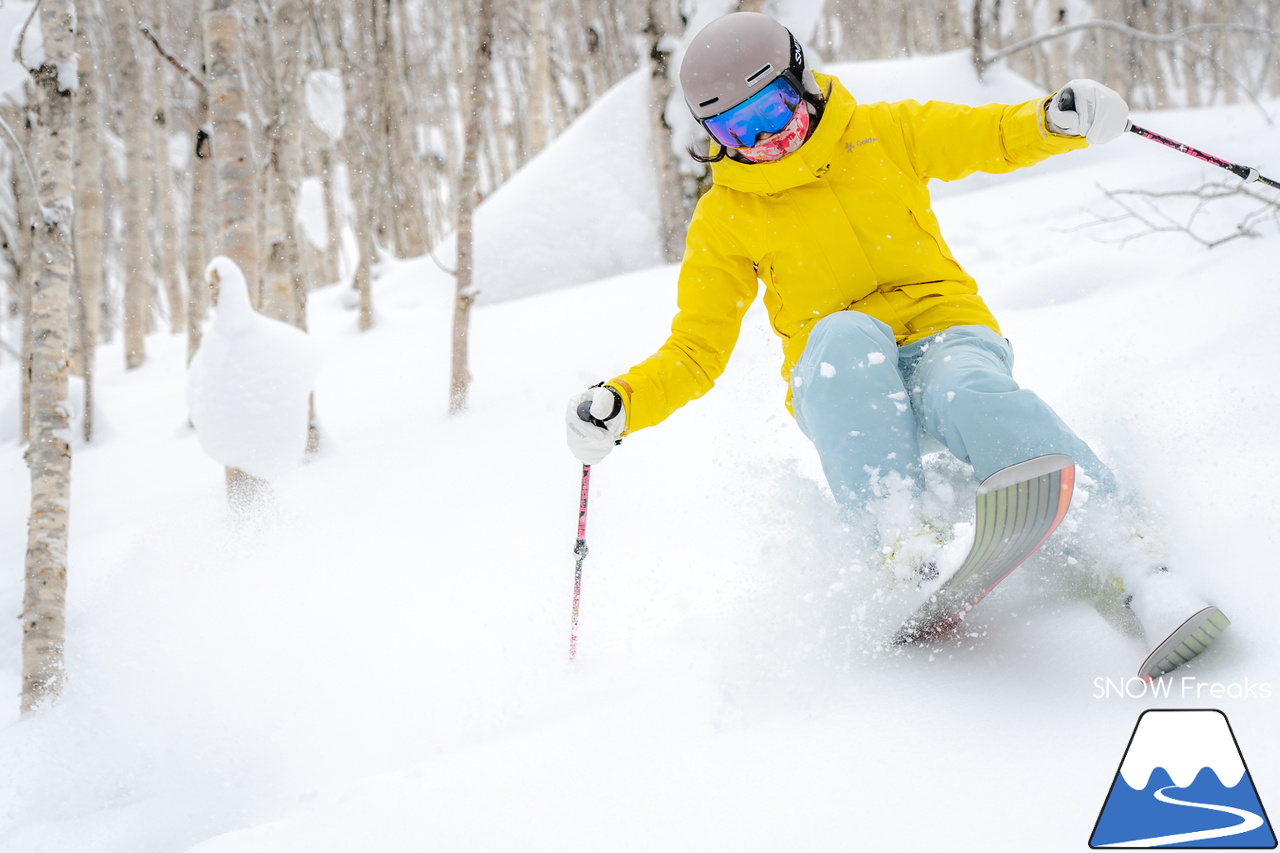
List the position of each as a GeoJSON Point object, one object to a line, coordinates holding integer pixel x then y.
{"type": "Point", "coordinates": [584, 410]}
{"type": "Point", "coordinates": [1067, 100]}
{"type": "Point", "coordinates": [584, 413]}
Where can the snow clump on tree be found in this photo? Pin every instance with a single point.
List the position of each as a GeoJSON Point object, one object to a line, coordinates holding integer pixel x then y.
{"type": "Point", "coordinates": [249, 384]}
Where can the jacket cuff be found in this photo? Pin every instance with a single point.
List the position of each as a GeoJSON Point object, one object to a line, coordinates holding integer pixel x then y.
{"type": "Point", "coordinates": [1027, 137]}
{"type": "Point", "coordinates": [624, 391]}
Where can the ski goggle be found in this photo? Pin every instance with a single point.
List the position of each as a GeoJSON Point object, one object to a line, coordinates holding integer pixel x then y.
{"type": "Point", "coordinates": [767, 111]}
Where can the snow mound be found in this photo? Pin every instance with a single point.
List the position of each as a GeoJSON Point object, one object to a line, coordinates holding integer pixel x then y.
{"type": "Point", "coordinates": [249, 384]}
{"type": "Point", "coordinates": [583, 209]}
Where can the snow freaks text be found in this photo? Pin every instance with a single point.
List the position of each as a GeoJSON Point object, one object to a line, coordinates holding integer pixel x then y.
{"type": "Point", "coordinates": [1187, 687]}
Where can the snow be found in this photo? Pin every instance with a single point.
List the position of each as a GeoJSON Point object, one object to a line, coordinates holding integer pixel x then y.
{"type": "Point", "coordinates": [249, 384]}
{"type": "Point", "coordinates": [311, 213]}
{"type": "Point", "coordinates": [326, 102]}
{"type": "Point", "coordinates": [380, 662]}
{"type": "Point", "coordinates": [581, 210]}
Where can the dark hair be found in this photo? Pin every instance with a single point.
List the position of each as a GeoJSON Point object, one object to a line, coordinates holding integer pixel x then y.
{"type": "Point", "coordinates": [819, 104]}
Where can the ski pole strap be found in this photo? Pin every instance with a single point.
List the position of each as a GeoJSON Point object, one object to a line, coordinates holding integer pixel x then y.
{"type": "Point", "coordinates": [1247, 173]}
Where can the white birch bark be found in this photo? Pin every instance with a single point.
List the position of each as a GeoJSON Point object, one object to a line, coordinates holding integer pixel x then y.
{"type": "Point", "coordinates": [235, 178]}
{"type": "Point", "coordinates": [460, 376]}
{"type": "Point", "coordinates": [235, 197]}
{"type": "Point", "coordinates": [90, 216]}
{"type": "Point", "coordinates": [133, 125]}
{"type": "Point", "coordinates": [661, 88]}
{"type": "Point", "coordinates": [405, 198]}
{"type": "Point", "coordinates": [539, 76]}
{"type": "Point", "coordinates": [356, 156]}
{"type": "Point", "coordinates": [197, 250]}
{"type": "Point", "coordinates": [282, 286]}
{"type": "Point", "coordinates": [49, 452]}
{"type": "Point", "coordinates": [168, 265]}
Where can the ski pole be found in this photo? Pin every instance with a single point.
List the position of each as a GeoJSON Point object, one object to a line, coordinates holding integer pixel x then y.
{"type": "Point", "coordinates": [1067, 99]}
{"type": "Point", "coordinates": [1248, 173]}
{"type": "Point", "coordinates": [580, 551]}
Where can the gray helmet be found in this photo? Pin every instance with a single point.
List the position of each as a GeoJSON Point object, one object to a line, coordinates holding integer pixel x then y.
{"type": "Point", "coordinates": [735, 56]}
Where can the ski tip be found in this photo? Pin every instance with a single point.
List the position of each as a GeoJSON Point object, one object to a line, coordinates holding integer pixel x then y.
{"type": "Point", "coordinates": [1188, 641]}
{"type": "Point", "coordinates": [1028, 470]}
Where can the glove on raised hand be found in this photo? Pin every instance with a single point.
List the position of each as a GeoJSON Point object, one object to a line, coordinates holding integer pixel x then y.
{"type": "Point", "coordinates": [593, 436]}
{"type": "Point", "coordinates": [1089, 109]}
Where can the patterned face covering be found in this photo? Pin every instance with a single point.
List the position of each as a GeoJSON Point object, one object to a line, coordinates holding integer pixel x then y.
{"type": "Point", "coordinates": [781, 143]}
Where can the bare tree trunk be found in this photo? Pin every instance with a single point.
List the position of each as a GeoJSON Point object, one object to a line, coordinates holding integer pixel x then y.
{"type": "Point", "coordinates": [90, 216]}
{"type": "Point", "coordinates": [467, 190]}
{"type": "Point", "coordinates": [166, 226]}
{"type": "Point", "coordinates": [26, 209]}
{"type": "Point", "coordinates": [539, 76]}
{"type": "Point", "coordinates": [235, 173]}
{"type": "Point", "coordinates": [235, 178]}
{"type": "Point", "coordinates": [134, 209]}
{"type": "Point", "coordinates": [357, 158]}
{"type": "Point", "coordinates": [979, 38]}
{"type": "Point", "coordinates": [196, 249]}
{"type": "Point", "coordinates": [661, 87]}
{"type": "Point", "coordinates": [282, 278]}
{"type": "Point", "coordinates": [49, 454]}
{"type": "Point", "coordinates": [407, 227]}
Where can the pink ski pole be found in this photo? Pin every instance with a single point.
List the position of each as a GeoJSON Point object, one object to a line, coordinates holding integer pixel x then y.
{"type": "Point", "coordinates": [580, 551]}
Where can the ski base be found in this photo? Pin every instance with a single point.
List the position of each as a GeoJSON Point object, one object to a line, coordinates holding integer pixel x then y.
{"type": "Point", "coordinates": [1188, 640]}
{"type": "Point", "coordinates": [1017, 509]}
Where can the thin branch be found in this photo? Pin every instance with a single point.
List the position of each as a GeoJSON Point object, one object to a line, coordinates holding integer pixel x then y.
{"type": "Point", "coordinates": [22, 34]}
{"type": "Point", "coordinates": [1177, 37]}
{"type": "Point", "coordinates": [431, 253]}
{"type": "Point", "coordinates": [184, 70]}
{"type": "Point", "coordinates": [1157, 221]}
{"type": "Point", "coordinates": [35, 188]}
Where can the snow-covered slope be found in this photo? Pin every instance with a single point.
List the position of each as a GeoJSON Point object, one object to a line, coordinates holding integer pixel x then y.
{"type": "Point", "coordinates": [380, 662]}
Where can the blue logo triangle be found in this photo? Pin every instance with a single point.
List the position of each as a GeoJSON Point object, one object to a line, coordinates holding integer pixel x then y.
{"type": "Point", "coordinates": [1183, 783]}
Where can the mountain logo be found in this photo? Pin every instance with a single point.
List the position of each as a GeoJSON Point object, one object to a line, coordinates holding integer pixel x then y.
{"type": "Point", "coordinates": [1183, 783]}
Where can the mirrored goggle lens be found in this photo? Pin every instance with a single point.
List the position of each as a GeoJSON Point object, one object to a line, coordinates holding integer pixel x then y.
{"type": "Point", "coordinates": [767, 111]}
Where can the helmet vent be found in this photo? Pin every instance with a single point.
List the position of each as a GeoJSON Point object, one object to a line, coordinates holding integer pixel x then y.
{"type": "Point", "coordinates": [710, 102]}
{"type": "Point", "coordinates": [754, 77]}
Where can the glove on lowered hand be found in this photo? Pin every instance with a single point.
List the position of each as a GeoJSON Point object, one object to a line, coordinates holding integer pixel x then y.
{"type": "Point", "coordinates": [1089, 109]}
{"type": "Point", "coordinates": [594, 421]}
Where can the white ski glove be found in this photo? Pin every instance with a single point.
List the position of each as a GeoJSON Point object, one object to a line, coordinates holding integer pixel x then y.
{"type": "Point", "coordinates": [594, 420]}
{"type": "Point", "coordinates": [1089, 109]}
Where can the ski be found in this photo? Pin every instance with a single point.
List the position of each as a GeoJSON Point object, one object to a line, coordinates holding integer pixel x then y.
{"type": "Point", "coordinates": [1187, 641]}
{"type": "Point", "coordinates": [1018, 507]}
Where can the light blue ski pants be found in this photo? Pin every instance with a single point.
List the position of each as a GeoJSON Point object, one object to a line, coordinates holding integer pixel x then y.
{"type": "Point", "coordinates": [864, 403]}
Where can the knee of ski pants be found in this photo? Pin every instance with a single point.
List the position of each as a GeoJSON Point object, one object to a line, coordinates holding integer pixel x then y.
{"type": "Point", "coordinates": [961, 361]}
{"type": "Point", "coordinates": [840, 341]}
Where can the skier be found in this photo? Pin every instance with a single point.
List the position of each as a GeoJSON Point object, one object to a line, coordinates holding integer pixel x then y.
{"type": "Point", "coordinates": [884, 336]}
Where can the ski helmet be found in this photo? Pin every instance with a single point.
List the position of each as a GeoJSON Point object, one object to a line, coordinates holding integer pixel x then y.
{"type": "Point", "coordinates": [733, 58]}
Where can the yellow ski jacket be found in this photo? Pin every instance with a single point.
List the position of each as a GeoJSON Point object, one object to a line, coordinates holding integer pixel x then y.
{"type": "Point", "coordinates": [843, 223]}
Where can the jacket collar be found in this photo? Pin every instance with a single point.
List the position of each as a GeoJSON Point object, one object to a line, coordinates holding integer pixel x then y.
{"type": "Point", "coordinates": [803, 165]}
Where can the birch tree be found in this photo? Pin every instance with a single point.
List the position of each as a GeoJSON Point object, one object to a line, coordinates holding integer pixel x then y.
{"type": "Point", "coordinates": [661, 88]}
{"type": "Point", "coordinates": [235, 199]}
{"type": "Point", "coordinates": [165, 231]}
{"type": "Point", "coordinates": [284, 291]}
{"type": "Point", "coordinates": [90, 216]}
{"type": "Point", "coordinates": [49, 452]}
{"type": "Point", "coordinates": [235, 178]}
{"type": "Point", "coordinates": [133, 125]}
{"type": "Point", "coordinates": [460, 377]}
